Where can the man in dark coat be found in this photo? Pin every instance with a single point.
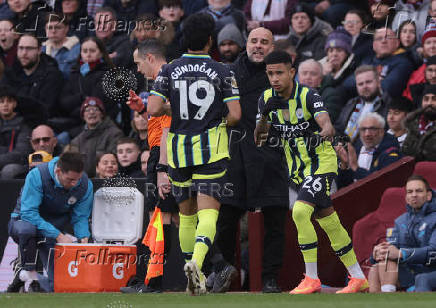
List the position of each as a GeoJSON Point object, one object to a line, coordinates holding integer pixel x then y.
{"type": "Point", "coordinates": [35, 74]}
{"type": "Point", "coordinates": [421, 137]}
{"type": "Point", "coordinates": [259, 175]}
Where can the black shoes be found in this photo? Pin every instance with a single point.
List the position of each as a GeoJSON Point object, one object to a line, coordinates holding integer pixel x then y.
{"type": "Point", "coordinates": [224, 279]}
{"type": "Point", "coordinates": [270, 286]}
{"type": "Point", "coordinates": [139, 288]}
{"type": "Point", "coordinates": [16, 285]}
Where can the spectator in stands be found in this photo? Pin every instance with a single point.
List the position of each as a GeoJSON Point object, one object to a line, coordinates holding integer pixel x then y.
{"type": "Point", "coordinates": [310, 74]}
{"type": "Point", "coordinates": [144, 161]}
{"type": "Point", "coordinates": [128, 155]}
{"type": "Point", "coordinates": [139, 131]}
{"type": "Point", "coordinates": [14, 135]}
{"type": "Point", "coordinates": [430, 78]}
{"type": "Point", "coordinates": [117, 43]}
{"type": "Point", "coordinates": [172, 11]}
{"type": "Point", "coordinates": [286, 46]}
{"type": "Point", "coordinates": [272, 15]}
{"type": "Point", "coordinates": [152, 27]}
{"type": "Point", "coordinates": [223, 12]}
{"type": "Point", "coordinates": [394, 69]}
{"type": "Point", "coordinates": [332, 11]}
{"type": "Point", "coordinates": [382, 12]}
{"type": "Point", "coordinates": [432, 11]}
{"type": "Point", "coordinates": [28, 16]}
{"type": "Point", "coordinates": [8, 42]}
{"type": "Point", "coordinates": [373, 151]}
{"type": "Point", "coordinates": [99, 135]}
{"type": "Point", "coordinates": [85, 80]}
{"type": "Point", "coordinates": [429, 50]}
{"type": "Point", "coordinates": [127, 11]}
{"type": "Point", "coordinates": [407, 257]}
{"type": "Point", "coordinates": [409, 42]}
{"type": "Point", "coordinates": [107, 166]}
{"type": "Point", "coordinates": [35, 74]}
{"type": "Point", "coordinates": [369, 99]}
{"type": "Point", "coordinates": [421, 137]}
{"type": "Point", "coordinates": [43, 139]}
{"type": "Point", "coordinates": [413, 10]}
{"type": "Point", "coordinates": [230, 43]}
{"type": "Point", "coordinates": [5, 11]}
{"type": "Point", "coordinates": [308, 34]}
{"type": "Point", "coordinates": [65, 50]}
{"type": "Point", "coordinates": [338, 66]}
{"type": "Point", "coordinates": [397, 113]}
{"type": "Point", "coordinates": [76, 17]}
{"type": "Point", "coordinates": [54, 194]}
{"type": "Point", "coordinates": [361, 42]}
{"type": "Point", "coordinates": [92, 7]}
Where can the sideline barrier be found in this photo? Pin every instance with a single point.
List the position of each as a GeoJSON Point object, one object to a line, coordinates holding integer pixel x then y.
{"type": "Point", "coordinates": [352, 203]}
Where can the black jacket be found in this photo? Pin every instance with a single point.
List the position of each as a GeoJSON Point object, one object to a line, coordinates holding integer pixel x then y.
{"type": "Point", "coordinates": [252, 81]}
{"type": "Point", "coordinates": [120, 44]}
{"type": "Point", "coordinates": [132, 170]}
{"type": "Point", "coordinates": [14, 141]}
{"type": "Point", "coordinates": [75, 91]}
{"type": "Point", "coordinates": [81, 25]}
{"type": "Point", "coordinates": [44, 84]}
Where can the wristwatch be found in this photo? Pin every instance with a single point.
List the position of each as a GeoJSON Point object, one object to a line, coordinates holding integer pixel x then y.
{"type": "Point", "coordinates": [161, 168]}
{"type": "Point", "coordinates": [142, 111]}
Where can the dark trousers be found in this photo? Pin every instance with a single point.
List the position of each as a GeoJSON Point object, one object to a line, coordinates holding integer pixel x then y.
{"type": "Point", "coordinates": [273, 242]}
{"type": "Point", "coordinates": [33, 245]}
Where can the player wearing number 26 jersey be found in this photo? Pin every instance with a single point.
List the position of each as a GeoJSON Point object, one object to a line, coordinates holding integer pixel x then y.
{"type": "Point", "coordinates": [204, 99]}
{"type": "Point", "coordinates": [298, 116]}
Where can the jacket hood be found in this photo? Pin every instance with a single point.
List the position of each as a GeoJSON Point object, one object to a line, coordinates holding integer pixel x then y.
{"type": "Point", "coordinates": [427, 208]}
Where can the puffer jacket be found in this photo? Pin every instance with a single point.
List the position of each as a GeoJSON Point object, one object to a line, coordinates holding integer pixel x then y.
{"type": "Point", "coordinates": [415, 233]}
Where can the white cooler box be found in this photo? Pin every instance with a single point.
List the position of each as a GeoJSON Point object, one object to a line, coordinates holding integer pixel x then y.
{"type": "Point", "coordinates": [107, 265]}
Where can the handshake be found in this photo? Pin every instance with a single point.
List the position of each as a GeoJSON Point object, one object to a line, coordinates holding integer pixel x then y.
{"type": "Point", "coordinates": [274, 103]}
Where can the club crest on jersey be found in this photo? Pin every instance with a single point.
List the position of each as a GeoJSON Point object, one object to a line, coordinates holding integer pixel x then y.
{"type": "Point", "coordinates": [235, 90]}
{"type": "Point", "coordinates": [299, 113]}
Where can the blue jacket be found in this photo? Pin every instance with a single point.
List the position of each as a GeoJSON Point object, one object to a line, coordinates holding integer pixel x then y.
{"type": "Point", "coordinates": [32, 198]}
{"type": "Point", "coordinates": [415, 234]}
{"type": "Point", "coordinates": [66, 56]}
{"type": "Point", "coordinates": [395, 71]}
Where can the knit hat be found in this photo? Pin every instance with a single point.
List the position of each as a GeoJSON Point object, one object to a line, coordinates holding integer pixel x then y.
{"type": "Point", "coordinates": [92, 101]}
{"type": "Point", "coordinates": [402, 103]}
{"type": "Point", "coordinates": [302, 8]}
{"type": "Point", "coordinates": [339, 38]}
{"type": "Point", "coordinates": [429, 89]}
{"type": "Point", "coordinates": [7, 91]}
{"type": "Point", "coordinates": [431, 61]}
{"type": "Point", "coordinates": [430, 31]}
{"type": "Point", "coordinates": [231, 32]}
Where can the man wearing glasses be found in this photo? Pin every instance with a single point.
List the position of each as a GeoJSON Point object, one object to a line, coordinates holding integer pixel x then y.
{"type": "Point", "coordinates": [374, 150]}
{"type": "Point", "coordinates": [35, 75]}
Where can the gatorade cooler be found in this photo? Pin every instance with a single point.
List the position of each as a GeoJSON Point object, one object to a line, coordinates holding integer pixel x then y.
{"type": "Point", "coordinates": [108, 264]}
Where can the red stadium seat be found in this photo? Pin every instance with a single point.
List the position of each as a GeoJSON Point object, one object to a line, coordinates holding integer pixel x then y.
{"type": "Point", "coordinates": [427, 169]}
{"type": "Point", "coordinates": [371, 229]}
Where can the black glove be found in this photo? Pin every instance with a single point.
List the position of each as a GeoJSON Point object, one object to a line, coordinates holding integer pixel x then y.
{"type": "Point", "coordinates": [274, 103]}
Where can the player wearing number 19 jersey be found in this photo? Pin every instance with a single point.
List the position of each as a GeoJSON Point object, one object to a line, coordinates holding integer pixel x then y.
{"type": "Point", "coordinates": [298, 116]}
{"type": "Point", "coordinates": [204, 99]}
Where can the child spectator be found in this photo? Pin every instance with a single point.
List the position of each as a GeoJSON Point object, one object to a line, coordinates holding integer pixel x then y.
{"type": "Point", "coordinates": [128, 158]}
{"type": "Point", "coordinates": [107, 166]}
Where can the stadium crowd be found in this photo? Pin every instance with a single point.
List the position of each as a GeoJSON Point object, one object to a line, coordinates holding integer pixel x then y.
{"type": "Point", "coordinates": [372, 63]}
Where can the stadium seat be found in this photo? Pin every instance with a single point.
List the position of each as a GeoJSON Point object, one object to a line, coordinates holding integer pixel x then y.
{"type": "Point", "coordinates": [427, 169]}
{"type": "Point", "coordinates": [371, 229]}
